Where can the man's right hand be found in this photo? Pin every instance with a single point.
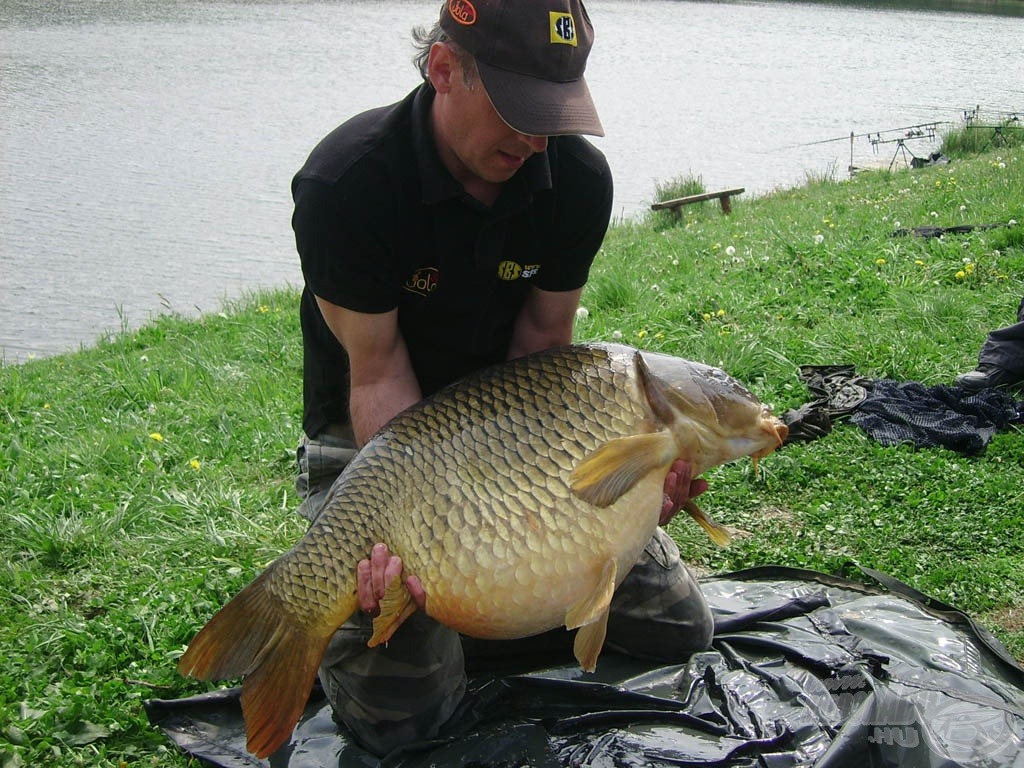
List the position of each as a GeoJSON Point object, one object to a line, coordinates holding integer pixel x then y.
{"type": "Point", "coordinates": [375, 573]}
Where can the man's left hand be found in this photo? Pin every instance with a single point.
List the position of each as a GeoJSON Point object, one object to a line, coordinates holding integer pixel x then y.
{"type": "Point", "coordinates": [680, 487]}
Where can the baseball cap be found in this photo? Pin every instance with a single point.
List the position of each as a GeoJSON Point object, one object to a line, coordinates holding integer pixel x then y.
{"type": "Point", "coordinates": [531, 55]}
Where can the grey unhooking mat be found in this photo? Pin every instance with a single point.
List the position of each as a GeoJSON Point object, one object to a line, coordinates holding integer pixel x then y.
{"type": "Point", "coordinates": [806, 669]}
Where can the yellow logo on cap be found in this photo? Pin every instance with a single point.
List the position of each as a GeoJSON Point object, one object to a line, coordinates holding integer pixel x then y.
{"type": "Point", "coordinates": [563, 28]}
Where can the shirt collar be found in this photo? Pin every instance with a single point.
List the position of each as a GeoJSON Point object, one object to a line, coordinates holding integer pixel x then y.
{"type": "Point", "coordinates": [437, 182]}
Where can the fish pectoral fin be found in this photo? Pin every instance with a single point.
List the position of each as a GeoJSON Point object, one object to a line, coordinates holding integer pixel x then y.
{"type": "Point", "coordinates": [589, 642]}
{"type": "Point", "coordinates": [396, 606]}
{"type": "Point", "coordinates": [616, 466]}
{"type": "Point", "coordinates": [590, 607]}
{"type": "Point", "coordinates": [253, 638]}
{"type": "Point", "coordinates": [718, 532]}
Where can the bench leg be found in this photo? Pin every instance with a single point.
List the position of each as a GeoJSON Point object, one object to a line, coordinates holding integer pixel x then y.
{"type": "Point", "coordinates": [726, 205]}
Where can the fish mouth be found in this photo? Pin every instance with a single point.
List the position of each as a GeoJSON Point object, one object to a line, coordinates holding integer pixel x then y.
{"type": "Point", "coordinates": [778, 432]}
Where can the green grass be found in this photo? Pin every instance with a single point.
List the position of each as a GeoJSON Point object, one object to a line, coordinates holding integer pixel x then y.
{"type": "Point", "coordinates": [967, 140]}
{"type": "Point", "coordinates": [145, 480]}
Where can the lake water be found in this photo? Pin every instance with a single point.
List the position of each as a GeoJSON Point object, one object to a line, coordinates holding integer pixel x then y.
{"type": "Point", "coordinates": [148, 145]}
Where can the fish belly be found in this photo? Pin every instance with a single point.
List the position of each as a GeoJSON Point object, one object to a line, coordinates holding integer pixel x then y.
{"type": "Point", "coordinates": [518, 572]}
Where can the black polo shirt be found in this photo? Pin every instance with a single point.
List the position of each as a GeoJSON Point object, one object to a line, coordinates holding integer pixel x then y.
{"type": "Point", "coordinates": [380, 223]}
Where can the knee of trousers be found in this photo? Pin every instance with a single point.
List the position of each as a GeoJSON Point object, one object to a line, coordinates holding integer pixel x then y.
{"type": "Point", "coordinates": [397, 693]}
{"type": "Point", "coordinates": [659, 611]}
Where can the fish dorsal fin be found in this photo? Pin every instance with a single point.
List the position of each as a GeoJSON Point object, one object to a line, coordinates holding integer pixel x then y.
{"type": "Point", "coordinates": [590, 607]}
{"type": "Point", "coordinates": [395, 607]}
{"type": "Point", "coordinates": [615, 467]}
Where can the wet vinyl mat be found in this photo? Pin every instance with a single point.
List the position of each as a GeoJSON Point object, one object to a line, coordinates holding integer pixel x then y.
{"type": "Point", "coordinates": [805, 669]}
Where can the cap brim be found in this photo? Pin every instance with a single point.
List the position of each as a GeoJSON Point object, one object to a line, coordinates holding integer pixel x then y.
{"type": "Point", "coordinates": [539, 107]}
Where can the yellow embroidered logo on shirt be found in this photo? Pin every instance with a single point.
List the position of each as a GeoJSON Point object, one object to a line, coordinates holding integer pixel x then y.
{"type": "Point", "coordinates": [510, 270]}
{"type": "Point", "coordinates": [563, 28]}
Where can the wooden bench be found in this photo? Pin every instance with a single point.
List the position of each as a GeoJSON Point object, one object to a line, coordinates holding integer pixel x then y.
{"type": "Point", "coordinates": [722, 195]}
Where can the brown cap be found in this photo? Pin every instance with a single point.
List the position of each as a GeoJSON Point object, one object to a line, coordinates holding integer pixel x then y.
{"type": "Point", "coordinates": [531, 55]}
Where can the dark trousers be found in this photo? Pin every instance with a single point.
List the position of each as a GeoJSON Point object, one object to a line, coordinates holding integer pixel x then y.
{"type": "Point", "coordinates": [1004, 348]}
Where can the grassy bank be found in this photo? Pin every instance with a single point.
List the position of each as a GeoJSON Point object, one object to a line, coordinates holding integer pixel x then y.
{"type": "Point", "coordinates": [144, 481]}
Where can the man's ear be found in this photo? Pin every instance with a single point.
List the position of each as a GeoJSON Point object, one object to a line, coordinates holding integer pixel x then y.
{"type": "Point", "coordinates": [441, 66]}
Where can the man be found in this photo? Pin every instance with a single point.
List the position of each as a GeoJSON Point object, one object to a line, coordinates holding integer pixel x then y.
{"type": "Point", "coordinates": [449, 231]}
{"type": "Point", "coordinates": [1001, 360]}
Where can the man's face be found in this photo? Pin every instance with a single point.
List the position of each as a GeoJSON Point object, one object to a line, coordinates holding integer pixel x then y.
{"type": "Point", "coordinates": [474, 142]}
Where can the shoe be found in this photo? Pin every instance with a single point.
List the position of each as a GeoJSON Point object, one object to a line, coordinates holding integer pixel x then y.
{"type": "Point", "coordinates": [989, 376]}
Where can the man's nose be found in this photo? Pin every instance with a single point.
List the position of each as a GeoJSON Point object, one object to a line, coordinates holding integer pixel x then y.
{"type": "Point", "coordinates": [536, 143]}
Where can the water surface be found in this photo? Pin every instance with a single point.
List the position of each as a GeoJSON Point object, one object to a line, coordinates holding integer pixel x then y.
{"type": "Point", "coordinates": [148, 145]}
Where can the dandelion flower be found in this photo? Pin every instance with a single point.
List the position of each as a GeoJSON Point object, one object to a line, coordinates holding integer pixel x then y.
{"type": "Point", "coordinates": [897, 224]}
{"type": "Point", "coordinates": [934, 214]}
{"type": "Point", "coordinates": [616, 335]}
{"type": "Point", "coordinates": [730, 251]}
{"type": "Point", "coordinates": [675, 262]}
{"type": "Point", "coordinates": [720, 313]}
{"type": "Point", "coordinates": [156, 436]}
{"type": "Point", "coordinates": [879, 262]}
{"type": "Point", "coordinates": [963, 208]}
{"type": "Point", "coordinates": [919, 262]}
{"type": "Point", "coordinates": [819, 239]}
{"type": "Point", "coordinates": [194, 463]}
{"type": "Point", "coordinates": [706, 316]}
{"type": "Point", "coordinates": [961, 275]}
{"type": "Point", "coordinates": [582, 313]}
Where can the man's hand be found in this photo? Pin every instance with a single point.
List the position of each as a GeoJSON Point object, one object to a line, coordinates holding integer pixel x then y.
{"type": "Point", "coordinates": [373, 576]}
{"type": "Point", "coordinates": [680, 486]}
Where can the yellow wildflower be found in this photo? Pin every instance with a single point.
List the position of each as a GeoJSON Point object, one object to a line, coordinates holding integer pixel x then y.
{"type": "Point", "coordinates": [156, 436]}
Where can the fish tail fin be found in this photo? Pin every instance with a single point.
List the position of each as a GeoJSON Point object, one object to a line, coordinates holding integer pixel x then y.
{"type": "Point", "coordinates": [251, 637]}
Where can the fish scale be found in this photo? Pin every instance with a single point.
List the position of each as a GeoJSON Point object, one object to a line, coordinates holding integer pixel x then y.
{"type": "Point", "coordinates": [520, 497]}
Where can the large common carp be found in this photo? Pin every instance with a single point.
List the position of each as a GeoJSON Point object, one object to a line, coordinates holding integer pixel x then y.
{"type": "Point", "coordinates": [520, 496]}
